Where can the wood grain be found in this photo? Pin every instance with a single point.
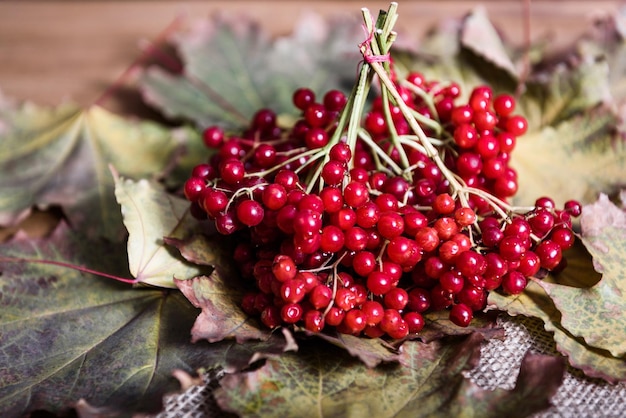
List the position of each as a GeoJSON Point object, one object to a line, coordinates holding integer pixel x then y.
{"type": "Point", "coordinates": [55, 50]}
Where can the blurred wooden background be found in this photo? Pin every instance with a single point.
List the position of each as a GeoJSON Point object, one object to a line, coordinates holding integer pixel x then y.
{"type": "Point", "coordinates": [55, 50]}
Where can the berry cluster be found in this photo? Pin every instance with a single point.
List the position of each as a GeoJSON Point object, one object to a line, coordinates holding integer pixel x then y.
{"type": "Point", "coordinates": [365, 232]}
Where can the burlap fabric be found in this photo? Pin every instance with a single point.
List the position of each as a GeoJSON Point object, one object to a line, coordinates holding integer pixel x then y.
{"type": "Point", "coordinates": [578, 396]}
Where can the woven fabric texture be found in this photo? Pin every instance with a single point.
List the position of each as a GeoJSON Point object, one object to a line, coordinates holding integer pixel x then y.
{"type": "Point", "coordinates": [578, 396]}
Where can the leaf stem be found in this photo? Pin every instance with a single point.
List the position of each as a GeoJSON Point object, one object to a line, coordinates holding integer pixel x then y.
{"type": "Point", "coordinates": [68, 265]}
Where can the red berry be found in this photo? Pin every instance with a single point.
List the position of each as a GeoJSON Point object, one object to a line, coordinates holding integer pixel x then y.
{"type": "Point", "coordinates": [549, 253]}
{"type": "Point", "coordinates": [504, 104]}
{"type": "Point", "coordinates": [379, 283]}
{"type": "Point", "coordinates": [232, 171]}
{"type": "Point", "coordinates": [396, 298]}
{"type": "Point", "coordinates": [340, 152]}
{"type": "Point", "coordinates": [334, 316]}
{"type": "Point", "coordinates": [320, 296]}
{"type": "Point", "coordinates": [465, 135]}
{"type": "Point", "coordinates": [193, 188]}
{"type": "Point", "coordinates": [291, 313]}
{"type": "Point", "coordinates": [355, 194]}
{"type": "Point", "coordinates": [514, 283]}
{"type": "Point", "coordinates": [461, 315]}
{"type": "Point", "coordinates": [303, 98]}
{"type": "Point", "coordinates": [213, 137]}
{"type": "Point", "coordinates": [517, 125]}
{"type": "Point", "coordinates": [332, 239]}
{"type": "Point", "coordinates": [444, 204]}
{"type": "Point", "coordinates": [250, 212]}
{"type": "Point", "coordinates": [292, 291]}
{"type": "Point", "coordinates": [334, 100]}
{"type": "Point", "coordinates": [314, 321]}
{"type": "Point", "coordinates": [355, 321]}
{"type": "Point", "coordinates": [284, 268]}
{"type": "Point", "coordinates": [390, 225]}
{"type": "Point", "coordinates": [274, 196]}
{"type": "Point", "coordinates": [563, 236]}
{"type": "Point", "coordinates": [414, 321]}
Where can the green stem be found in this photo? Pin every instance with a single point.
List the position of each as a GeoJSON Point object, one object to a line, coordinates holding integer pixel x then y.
{"type": "Point", "coordinates": [380, 152]}
{"type": "Point", "coordinates": [430, 149]}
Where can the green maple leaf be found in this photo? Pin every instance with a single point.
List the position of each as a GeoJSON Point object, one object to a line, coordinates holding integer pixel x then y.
{"type": "Point", "coordinates": [585, 315]}
{"type": "Point", "coordinates": [61, 156]}
{"type": "Point", "coordinates": [67, 335]}
{"type": "Point", "coordinates": [598, 313]}
{"type": "Point", "coordinates": [232, 68]}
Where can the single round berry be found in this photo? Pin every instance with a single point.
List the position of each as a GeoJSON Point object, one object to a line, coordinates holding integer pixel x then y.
{"type": "Point", "coordinates": [284, 268]}
{"type": "Point", "coordinates": [390, 225]}
{"type": "Point", "coordinates": [334, 100]}
{"type": "Point", "coordinates": [193, 188]}
{"type": "Point", "coordinates": [364, 263]}
{"type": "Point", "coordinates": [292, 291]}
{"type": "Point", "coordinates": [517, 125]}
{"type": "Point", "coordinates": [320, 296]}
{"type": "Point", "coordinates": [332, 239]}
{"type": "Point", "coordinates": [303, 98]}
{"type": "Point", "coordinates": [563, 236]}
{"type": "Point", "coordinates": [291, 313]}
{"type": "Point", "coordinates": [549, 253]}
{"type": "Point", "coordinates": [250, 212]}
{"type": "Point", "coordinates": [373, 311]}
{"type": "Point", "coordinates": [461, 314]}
{"type": "Point", "coordinates": [465, 216]}
{"type": "Point", "coordinates": [340, 152]}
{"type": "Point", "coordinates": [514, 283]}
{"type": "Point", "coordinates": [465, 135]}
{"type": "Point", "coordinates": [232, 171]}
{"type": "Point", "coordinates": [504, 104]}
{"type": "Point", "coordinates": [379, 283]}
{"type": "Point", "coordinates": [415, 322]}
{"type": "Point", "coordinates": [452, 282]}
{"type": "Point", "coordinates": [511, 248]}
{"type": "Point", "coordinates": [444, 204]}
{"type": "Point", "coordinates": [315, 115]}
{"type": "Point", "coordinates": [333, 172]}
{"type": "Point", "coordinates": [396, 298]}
{"type": "Point", "coordinates": [213, 137]}
{"type": "Point", "coordinates": [314, 321]}
{"type": "Point", "coordinates": [573, 207]}
{"type": "Point", "coordinates": [316, 138]}
{"type": "Point", "coordinates": [355, 194]}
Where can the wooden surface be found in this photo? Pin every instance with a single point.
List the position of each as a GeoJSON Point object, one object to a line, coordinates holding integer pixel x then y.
{"type": "Point", "coordinates": [55, 50]}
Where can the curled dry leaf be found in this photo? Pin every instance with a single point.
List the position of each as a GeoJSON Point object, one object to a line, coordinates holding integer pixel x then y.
{"type": "Point", "coordinates": [480, 36]}
{"type": "Point", "coordinates": [221, 316]}
{"type": "Point", "coordinates": [330, 383]}
{"type": "Point", "coordinates": [371, 351]}
{"type": "Point", "coordinates": [60, 156]}
{"type": "Point", "coordinates": [85, 410]}
{"type": "Point", "coordinates": [150, 214]}
{"type": "Point", "coordinates": [438, 325]}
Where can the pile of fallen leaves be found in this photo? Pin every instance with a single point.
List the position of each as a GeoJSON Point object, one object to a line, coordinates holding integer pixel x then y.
{"type": "Point", "coordinates": [71, 329]}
